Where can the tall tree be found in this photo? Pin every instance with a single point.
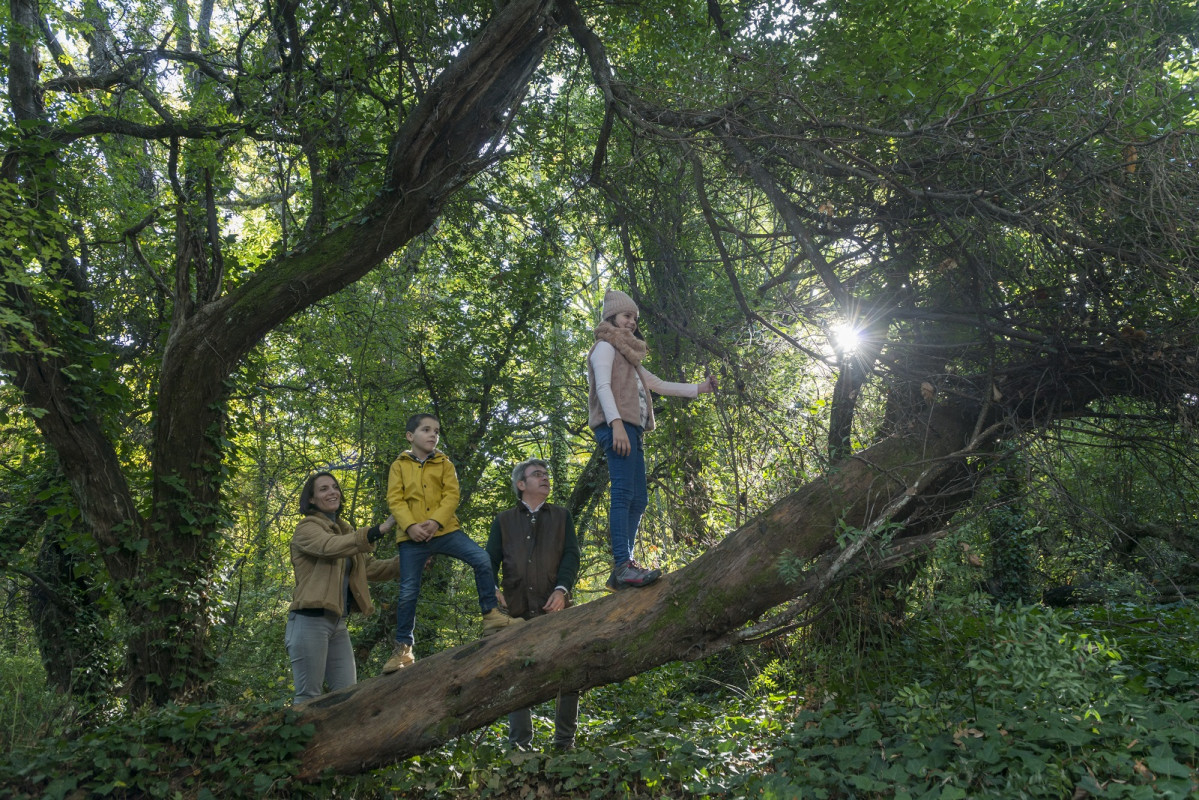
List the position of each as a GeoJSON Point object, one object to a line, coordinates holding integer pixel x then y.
{"type": "Point", "coordinates": [157, 540]}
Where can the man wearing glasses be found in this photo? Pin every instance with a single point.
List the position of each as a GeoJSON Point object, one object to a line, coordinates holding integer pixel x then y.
{"type": "Point", "coordinates": [533, 547]}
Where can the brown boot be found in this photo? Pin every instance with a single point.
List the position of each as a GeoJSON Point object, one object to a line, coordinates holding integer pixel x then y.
{"type": "Point", "coordinates": [495, 619]}
{"type": "Point", "coordinates": [400, 657]}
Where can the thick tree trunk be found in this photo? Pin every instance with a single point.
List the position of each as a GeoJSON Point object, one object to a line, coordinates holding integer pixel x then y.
{"type": "Point", "coordinates": [160, 563]}
{"type": "Point", "coordinates": [684, 616]}
{"type": "Point", "coordinates": [67, 620]}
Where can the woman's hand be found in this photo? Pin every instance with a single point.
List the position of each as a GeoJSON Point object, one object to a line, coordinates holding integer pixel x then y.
{"type": "Point", "coordinates": [377, 532]}
{"type": "Point", "coordinates": [620, 439]}
{"type": "Point", "coordinates": [708, 386]}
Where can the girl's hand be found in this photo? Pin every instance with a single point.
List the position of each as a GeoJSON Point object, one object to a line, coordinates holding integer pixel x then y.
{"type": "Point", "coordinates": [620, 439]}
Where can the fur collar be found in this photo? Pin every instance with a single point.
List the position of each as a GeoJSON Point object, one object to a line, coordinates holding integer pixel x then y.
{"type": "Point", "coordinates": [628, 345]}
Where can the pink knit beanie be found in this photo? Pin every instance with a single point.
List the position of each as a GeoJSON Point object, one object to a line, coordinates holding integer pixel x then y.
{"type": "Point", "coordinates": [616, 301]}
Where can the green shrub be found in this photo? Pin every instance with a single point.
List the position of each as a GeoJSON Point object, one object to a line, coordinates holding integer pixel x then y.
{"type": "Point", "coordinates": [199, 751]}
{"type": "Point", "coordinates": [1021, 703]}
{"type": "Point", "coordinates": [28, 707]}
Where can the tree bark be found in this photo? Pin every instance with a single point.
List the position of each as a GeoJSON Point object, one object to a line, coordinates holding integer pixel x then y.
{"type": "Point", "coordinates": [67, 619]}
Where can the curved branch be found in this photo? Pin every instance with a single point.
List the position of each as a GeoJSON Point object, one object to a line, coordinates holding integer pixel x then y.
{"type": "Point", "coordinates": [96, 124]}
{"type": "Point", "coordinates": [104, 80]}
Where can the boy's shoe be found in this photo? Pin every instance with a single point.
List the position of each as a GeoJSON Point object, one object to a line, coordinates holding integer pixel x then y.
{"type": "Point", "coordinates": [495, 619]}
{"type": "Point", "coordinates": [400, 657]}
{"type": "Point", "coordinates": [630, 574]}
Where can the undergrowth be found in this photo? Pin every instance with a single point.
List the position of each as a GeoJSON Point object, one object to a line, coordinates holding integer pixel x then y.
{"type": "Point", "coordinates": [971, 701]}
{"type": "Point", "coordinates": [194, 751]}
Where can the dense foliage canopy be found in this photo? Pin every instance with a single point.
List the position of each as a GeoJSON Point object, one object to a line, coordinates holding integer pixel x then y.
{"type": "Point", "coordinates": [942, 258]}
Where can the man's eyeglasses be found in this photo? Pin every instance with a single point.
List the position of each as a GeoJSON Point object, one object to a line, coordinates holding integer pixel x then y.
{"type": "Point", "coordinates": [539, 473]}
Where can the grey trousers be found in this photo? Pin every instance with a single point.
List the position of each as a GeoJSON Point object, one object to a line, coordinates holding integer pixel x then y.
{"type": "Point", "coordinates": [320, 652]}
{"type": "Point", "coordinates": [566, 721]}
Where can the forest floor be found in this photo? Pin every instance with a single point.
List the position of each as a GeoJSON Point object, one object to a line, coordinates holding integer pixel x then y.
{"type": "Point", "coordinates": [968, 701]}
{"type": "Point", "coordinates": [975, 701]}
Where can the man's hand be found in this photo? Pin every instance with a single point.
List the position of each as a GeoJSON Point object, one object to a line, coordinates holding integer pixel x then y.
{"type": "Point", "coordinates": [499, 598]}
{"type": "Point", "coordinates": [557, 602]}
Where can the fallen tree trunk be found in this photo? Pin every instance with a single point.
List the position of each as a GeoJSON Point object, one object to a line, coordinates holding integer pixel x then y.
{"type": "Point", "coordinates": [684, 616]}
{"type": "Point", "coordinates": [875, 510]}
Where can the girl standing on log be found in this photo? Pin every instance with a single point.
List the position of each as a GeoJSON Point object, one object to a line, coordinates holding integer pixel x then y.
{"type": "Point", "coordinates": [620, 411]}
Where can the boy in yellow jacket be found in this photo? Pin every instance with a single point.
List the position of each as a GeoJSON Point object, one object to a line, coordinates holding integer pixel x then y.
{"type": "Point", "coordinates": [422, 492]}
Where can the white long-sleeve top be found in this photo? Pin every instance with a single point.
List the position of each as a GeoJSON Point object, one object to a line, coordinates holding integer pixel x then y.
{"type": "Point", "coordinates": [601, 364]}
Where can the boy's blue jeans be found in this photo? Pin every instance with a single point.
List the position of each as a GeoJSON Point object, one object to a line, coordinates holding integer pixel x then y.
{"type": "Point", "coordinates": [628, 490]}
{"type": "Point", "coordinates": [413, 555]}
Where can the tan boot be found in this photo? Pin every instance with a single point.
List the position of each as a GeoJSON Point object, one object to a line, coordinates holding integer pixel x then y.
{"type": "Point", "coordinates": [495, 619]}
{"type": "Point", "coordinates": [400, 657]}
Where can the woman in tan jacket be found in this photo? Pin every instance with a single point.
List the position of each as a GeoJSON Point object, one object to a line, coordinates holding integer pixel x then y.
{"type": "Point", "coordinates": [332, 563]}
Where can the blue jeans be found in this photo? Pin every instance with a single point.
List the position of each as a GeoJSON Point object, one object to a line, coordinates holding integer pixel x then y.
{"type": "Point", "coordinates": [628, 491]}
{"type": "Point", "coordinates": [413, 555]}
